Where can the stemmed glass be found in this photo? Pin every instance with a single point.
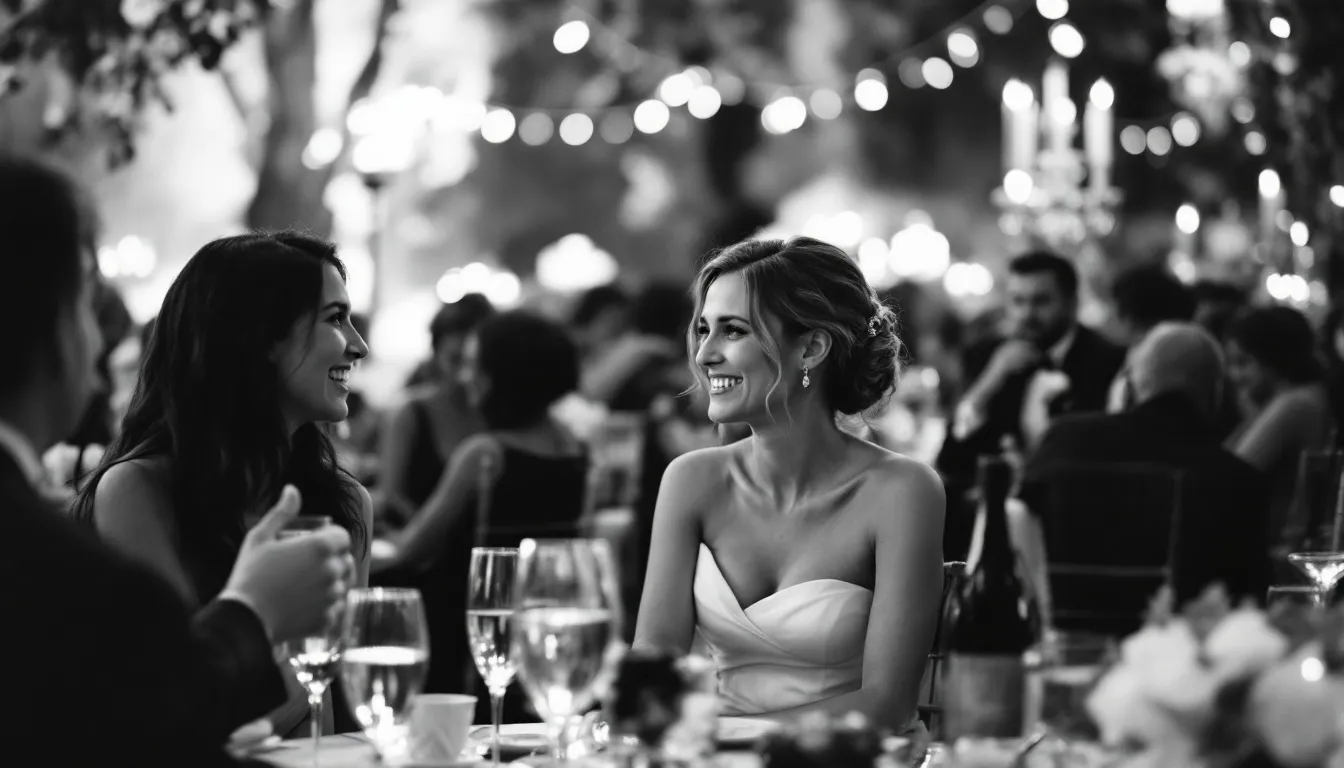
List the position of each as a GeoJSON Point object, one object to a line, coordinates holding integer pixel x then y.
{"type": "Point", "coordinates": [566, 621]}
{"type": "Point", "coordinates": [490, 588]}
{"type": "Point", "coordinates": [386, 658]}
{"type": "Point", "coordinates": [1323, 568]}
{"type": "Point", "coordinates": [313, 658]}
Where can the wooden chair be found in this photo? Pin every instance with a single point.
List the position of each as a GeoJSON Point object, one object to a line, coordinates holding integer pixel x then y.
{"type": "Point", "coordinates": [930, 708]}
{"type": "Point", "coordinates": [1111, 536]}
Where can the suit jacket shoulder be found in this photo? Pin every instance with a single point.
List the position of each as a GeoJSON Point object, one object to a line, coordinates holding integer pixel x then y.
{"type": "Point", "coordinates": [153, 686]}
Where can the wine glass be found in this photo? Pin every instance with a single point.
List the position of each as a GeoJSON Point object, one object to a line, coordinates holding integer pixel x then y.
{"type": "Point", "coordinates": [564, 626]}
{"type": "Point", "coordinates": [313, 658]}
{"type": "Point", "coordinates": [1292, 594]}
{"type": "Point", "coordinates": [1323, 568]}
{"type": "Point", "coordinates": [489, 609]}
{"type": "Point", "coordinates": [386, 658]}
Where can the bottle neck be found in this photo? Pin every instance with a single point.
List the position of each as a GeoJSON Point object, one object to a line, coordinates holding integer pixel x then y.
{"type": "Point", "coordinates": [995, 479]}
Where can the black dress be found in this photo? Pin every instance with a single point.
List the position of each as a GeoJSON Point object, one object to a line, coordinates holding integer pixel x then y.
{"type": "Point", "coordinates": [535, 496]}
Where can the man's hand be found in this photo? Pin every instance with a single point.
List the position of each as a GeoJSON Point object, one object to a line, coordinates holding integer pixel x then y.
{"type": "Point", "coordinates": [1013, 356]}
{"type": "Point", "coordinates": [295, 585]}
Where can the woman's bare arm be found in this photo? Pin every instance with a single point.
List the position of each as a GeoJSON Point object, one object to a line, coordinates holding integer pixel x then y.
{"type": "Point", "coordinates": [667, 608]}
{"type": "Point", "coordinates": [422, 540]}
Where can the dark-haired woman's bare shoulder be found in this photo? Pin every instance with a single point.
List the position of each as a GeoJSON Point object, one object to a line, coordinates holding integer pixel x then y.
{"type": "Point", "coordinates": [133, 511]}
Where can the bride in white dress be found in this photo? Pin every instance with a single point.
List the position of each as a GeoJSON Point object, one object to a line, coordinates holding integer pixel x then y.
{"type": "Point", "coordinates": [809, 562]}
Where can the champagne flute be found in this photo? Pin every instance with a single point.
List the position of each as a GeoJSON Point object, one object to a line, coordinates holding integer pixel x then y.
{"type": "Point", "coordinates": [1323, 568]}
{"type": "Point", "coordinates": [386, 658]}
{"type": "Point", "coordinates": [313, 658]}
{"type": "Point", "coordinates": [489, 610]}
{"type": "Point", "coordinates": [565, 623]}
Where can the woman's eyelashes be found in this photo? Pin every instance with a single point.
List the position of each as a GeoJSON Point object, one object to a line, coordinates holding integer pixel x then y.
{"type": "Point", "coordinates": [730, 330]}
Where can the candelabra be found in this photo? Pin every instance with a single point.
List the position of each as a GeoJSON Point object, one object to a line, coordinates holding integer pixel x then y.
{"type": "Point", "coordinates": [1052, 193]}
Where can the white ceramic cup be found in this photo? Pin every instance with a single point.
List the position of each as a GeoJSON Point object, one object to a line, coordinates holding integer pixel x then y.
{"type": "Point", "coordinates": [440, 723]}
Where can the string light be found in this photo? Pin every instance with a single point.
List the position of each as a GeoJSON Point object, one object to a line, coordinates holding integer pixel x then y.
{"type": "Point", "coordinates": [1159, 140]}
{"type": "Point", "coordinates": [870, 95]}
{"type": "Point", "coordinates": [1280, 27]}
{"type": "Point", "coordinates": [1185, 130]}
{"type": "Point", "coordinates": [784, 115]}
{"type": "Point", "coordinates": [962, 48]}
{"type": "Point", "coordinates": [576, 129]}
{"type": "Point", "coordinates": [1066, 40]}
{"type": "Point", "coordinates": [1299, 233]}
{"type": "Point", "coordinates": [652, 116]}
{"type": "Point", "coordinates": [826, 104]}
{"type": "Point", "coordinates": [1133, 140]}
{"type": "Point", "coordinates": [617, 128]}
{"type": "Point", "coordinates": [498, 126]}
{"type": "Point", "coordinates": [571, 37]}
{"type": "Point", "coordinates": [998, 20]}
{"type": "Point", "coordinates": [1187, 219]}
{"type": "Point", "coordinates": [937, 72]}
{"type": "Point", "coordinates": [704, 102]}
{"type": "Point", "coordinates": [1337, 195]}
{"type": "Point", "coordinates": [1256, 143]}
{"type": "Point", "coordinates": [676, 90]}
{"type": "Point", "coordinates": [536, 129]}
{"type": "Point", "coordinates": [911, 73]}
{"type": "Point", "coordinates": [1052, 9]}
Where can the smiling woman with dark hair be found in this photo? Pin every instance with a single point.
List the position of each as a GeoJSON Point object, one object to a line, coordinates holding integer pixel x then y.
{"type": "Point", "coordinates": [523, 476]}
{"type": "Point", "coordinates": [249, 359]}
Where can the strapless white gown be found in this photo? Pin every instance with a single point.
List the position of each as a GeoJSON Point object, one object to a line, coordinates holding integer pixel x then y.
{"type": "Point", "coordinates": [800, 645]}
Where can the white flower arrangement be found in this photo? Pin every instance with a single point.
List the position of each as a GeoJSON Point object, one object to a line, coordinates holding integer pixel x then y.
{"type": "Point", "coordinates": [1220, 687]}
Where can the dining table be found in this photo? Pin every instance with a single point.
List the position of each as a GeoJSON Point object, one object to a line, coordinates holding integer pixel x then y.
{"type": "Point", "coordinates": [353, 750]}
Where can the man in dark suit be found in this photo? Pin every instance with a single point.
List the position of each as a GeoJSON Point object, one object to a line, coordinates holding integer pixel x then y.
{"type": "Point", "coordinates": [1173, 382]}
{"type": "Point", "coordinates": [1049, 365]}
{"type": "Point", "coordinates": [106, 665]}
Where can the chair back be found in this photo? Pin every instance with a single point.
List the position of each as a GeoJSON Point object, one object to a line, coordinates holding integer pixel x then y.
{"type": "Point", "coordinates": [1111, 534]}
{"type": "Point", "coordinates": [930, 706]}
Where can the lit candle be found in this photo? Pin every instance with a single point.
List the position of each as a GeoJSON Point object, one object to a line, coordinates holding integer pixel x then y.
{"type": "Point", "coordinates": [1271, 202]}
{"type": "Point", "coordinates": [1019, 126]}
{"type": "Point", "coordinates": [1054, 94]}
{"type": "Point", "coordinates": [1099, 134]}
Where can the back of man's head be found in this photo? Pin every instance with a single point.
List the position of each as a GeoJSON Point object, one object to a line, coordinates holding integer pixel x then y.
{"type": "Point", "coordinates": [1178, 358]}
{"type": "Point", "coordinates": [44, 228]}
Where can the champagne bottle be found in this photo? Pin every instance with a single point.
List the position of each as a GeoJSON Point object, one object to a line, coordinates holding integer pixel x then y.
{"type": "Point", "coordinates": [991, 621]}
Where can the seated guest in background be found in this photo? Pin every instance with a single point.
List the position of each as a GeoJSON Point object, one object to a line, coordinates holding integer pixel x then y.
{"type": "Point", "coordinates": [1216, 303]}
{"type": "Point", "coordinates": [1272, 362]}
{"type": "Point", "coordinates": [1143, 297]}
{"type": "Point", "coordinates": [808, 560]}
{"type": "Point", "coordinates": [435, 419]}
{"type": "Point", "coordinates": [135, 679]}
{"type": "Point", "coordinates": [524, 476]}
{"type": "Point", "coordinates": [647, 360]}
{"type": "Point", "coordinates": [599, 317]}
{"type": "Point", "coordinates": [250, 357]}
{"type": "Point", "coordinates": [1332, 344]}
{"type": "Point", "coordinates": [1173, 386]}
{"type": "Point", "coordinates": [1050, 364]}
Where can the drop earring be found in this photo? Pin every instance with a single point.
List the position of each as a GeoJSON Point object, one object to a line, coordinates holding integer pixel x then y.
{"type": "Point", "coordinates": [806, 381]}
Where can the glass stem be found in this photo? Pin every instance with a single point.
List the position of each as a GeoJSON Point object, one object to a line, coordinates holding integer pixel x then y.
{"type": "Point", "coordinates": [560, 739]}
{"type": "Point", "coordinates": [315, 713]}
{"type": "Point", "coordinates": [496, 718]}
